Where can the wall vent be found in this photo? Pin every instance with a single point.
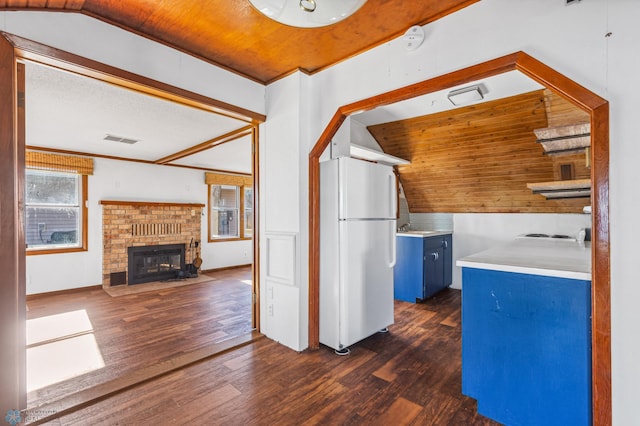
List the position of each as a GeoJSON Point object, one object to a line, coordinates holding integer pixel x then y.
{"type": "Point", "coordinates": [114, 138]}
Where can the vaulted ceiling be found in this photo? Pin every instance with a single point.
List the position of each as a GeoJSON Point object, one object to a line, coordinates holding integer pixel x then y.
{"type": "Point", "coordinates": [234, 35]}
{"type": "Point", "coordinates": [479, 158]}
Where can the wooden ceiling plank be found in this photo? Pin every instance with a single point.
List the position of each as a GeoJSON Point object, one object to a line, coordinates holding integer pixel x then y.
{"type": "Point", "coordinates": [16, 4]}
{"type": "Point", "coordinates": [216, 31]}
{"type": "Point", "coordinates": [36, 4]}
{"type": "Point", "coordinates": [74, 4]}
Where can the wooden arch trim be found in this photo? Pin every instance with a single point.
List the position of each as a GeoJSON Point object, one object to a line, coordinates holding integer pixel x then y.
{"type": "Point", "coordinates": [597, 107]}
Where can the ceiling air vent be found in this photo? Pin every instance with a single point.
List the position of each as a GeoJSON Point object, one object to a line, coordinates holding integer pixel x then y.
{"type": "Point", "coordinates": [114, 138]}
{"type": "Point", "coordinates": [568, 2]}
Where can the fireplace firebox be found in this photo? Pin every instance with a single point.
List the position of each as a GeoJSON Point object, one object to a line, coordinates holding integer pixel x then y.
{"type": "Point", "coordinates": [155, 263]}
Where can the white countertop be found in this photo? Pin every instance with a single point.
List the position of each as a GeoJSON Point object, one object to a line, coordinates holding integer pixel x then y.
{"type": "Point", "coordinates": [537, 256]}
{"type": "Point", "coordinates": [422, 234]}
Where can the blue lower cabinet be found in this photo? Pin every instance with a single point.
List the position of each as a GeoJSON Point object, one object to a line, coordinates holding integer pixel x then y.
{"type": "Point", "coordinates": [526, 347]}
{"type": "Point", "coordinates": [423, 266]}
{"type": "Point", "coordinates": [408, 274]}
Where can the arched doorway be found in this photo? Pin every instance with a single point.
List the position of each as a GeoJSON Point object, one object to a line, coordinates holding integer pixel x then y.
{"type": "Point", "coordinates": [595, 106]}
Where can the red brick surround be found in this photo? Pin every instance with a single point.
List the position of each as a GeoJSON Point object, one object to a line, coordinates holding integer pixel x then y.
{"type": "Point", "coordinates": [134, 223]}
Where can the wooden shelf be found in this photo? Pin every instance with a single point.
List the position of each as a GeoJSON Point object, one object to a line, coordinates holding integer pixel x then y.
{"type": "Point", "coordinates": [563, 139]}
{"type": "Point", "coordinates": [577, 188]}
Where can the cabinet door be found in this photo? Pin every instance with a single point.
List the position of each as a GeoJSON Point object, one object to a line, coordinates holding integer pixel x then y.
{"type": "Point", "coordinates": [408, 272]}
{"type": "Point", "coordinates": [433, 271]}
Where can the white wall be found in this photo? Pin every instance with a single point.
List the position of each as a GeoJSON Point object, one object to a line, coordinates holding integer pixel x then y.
{"type": "Point", "coordinates": [284, 218]}
{"type": "Point", "coordinates": [572, 40]}
{"type": "Point", "coordinates": [121, 180]}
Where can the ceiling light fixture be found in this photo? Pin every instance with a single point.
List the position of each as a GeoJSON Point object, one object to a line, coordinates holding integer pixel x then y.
{"type": "Point", "coordinates": [465, 95]}
{"type": "Point", "coordinates": [307, 13]}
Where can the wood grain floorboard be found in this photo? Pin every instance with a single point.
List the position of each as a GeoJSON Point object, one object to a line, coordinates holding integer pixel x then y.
{"type": "Point", "coordinates": [148, 331]}
{"type": "Point", "coordinates": [409, 376]}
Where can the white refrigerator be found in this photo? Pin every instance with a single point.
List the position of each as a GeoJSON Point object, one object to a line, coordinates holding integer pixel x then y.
{"type": "Point", "coordinates": [358, 202]}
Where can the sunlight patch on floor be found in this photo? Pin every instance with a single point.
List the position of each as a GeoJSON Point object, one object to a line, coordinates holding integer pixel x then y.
{"type": "Point", "coordinates": [60, 347]}
{"type": "Point", "coordinates": [247, 282]}
{"type": "Point", "coordinates": [50, 327]}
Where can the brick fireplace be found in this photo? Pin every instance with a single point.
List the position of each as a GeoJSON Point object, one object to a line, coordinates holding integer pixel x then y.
{"type": "Point", "coordinates": [139, 223]}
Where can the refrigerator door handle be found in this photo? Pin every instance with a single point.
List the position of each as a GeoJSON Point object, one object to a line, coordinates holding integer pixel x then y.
{"type": "Point", "coordinates": [392, 229]}
{"type": "Point", "coordinates": [393, 194]}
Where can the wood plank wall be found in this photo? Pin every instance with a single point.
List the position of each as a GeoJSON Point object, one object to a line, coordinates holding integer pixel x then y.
{"type": "Point", "coordinates": [561, 112]}
{"type": "Point", "coordinates": [475, 159]}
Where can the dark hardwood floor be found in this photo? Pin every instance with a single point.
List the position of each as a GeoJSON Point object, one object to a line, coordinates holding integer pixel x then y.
{"type": "Point", "coordinates": [408, 376]}
{"type": "Point", "coordinates": [133, 332]}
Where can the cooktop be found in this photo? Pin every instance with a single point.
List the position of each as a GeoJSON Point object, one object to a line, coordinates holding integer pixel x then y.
{"type": "Point", "coordinates": [546, 236]}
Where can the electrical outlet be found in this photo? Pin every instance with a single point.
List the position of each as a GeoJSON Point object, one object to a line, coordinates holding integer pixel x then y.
{"type": "Point", "coordinates": [42, 227]}
{"type": "Point", "coordinates": [270, 310]}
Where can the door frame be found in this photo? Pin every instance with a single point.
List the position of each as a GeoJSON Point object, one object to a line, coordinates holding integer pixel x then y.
{"type": "Point", "coordinates": [14, 50]}
{"type": "Point", "coordinates": [595, 106]}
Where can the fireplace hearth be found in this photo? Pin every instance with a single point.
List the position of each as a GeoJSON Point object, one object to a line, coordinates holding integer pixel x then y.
{"type": "Point", "coordinates": [155, 263]}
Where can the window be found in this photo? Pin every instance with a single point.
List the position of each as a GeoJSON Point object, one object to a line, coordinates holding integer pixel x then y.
{"type": "Point", "coordinates": [55, 205]}
{"type": "Point", "coordinates": [225, 206]}
{"type": "Point", "coordinates": [230, 206]}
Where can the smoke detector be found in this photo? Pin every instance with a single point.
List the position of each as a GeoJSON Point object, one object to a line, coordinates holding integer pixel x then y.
{"type": "Point", "coordinates": [413, 38]}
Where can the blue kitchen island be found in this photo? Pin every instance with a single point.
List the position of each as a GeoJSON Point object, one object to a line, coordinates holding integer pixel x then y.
{"type": "Point", "coordinates": [526, 332]}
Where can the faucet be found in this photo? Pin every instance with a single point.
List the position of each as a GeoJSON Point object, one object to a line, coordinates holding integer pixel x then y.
{"type": "Point", "coordinates": [405, 227]}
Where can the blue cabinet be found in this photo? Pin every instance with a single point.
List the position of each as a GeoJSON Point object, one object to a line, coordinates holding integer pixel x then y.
{"type": "Point", "coordinates": [423, 266]}
{"type": "Point", "coordinates": [526, 347]}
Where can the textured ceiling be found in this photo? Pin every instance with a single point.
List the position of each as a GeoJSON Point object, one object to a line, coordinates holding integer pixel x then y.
{"type": "Point", "coordinates": [69, 112]}
{"type": "Point", "coordinates": [234, 35]}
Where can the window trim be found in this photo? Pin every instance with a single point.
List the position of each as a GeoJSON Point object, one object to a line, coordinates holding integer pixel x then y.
{"type": "Point", "coordinates": [241, 227]}
{"type": "Point", "coordinates": [84, 246]}
{"type": "Point", "coordinates": [244, 211]}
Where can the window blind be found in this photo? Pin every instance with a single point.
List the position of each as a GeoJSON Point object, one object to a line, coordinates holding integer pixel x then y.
{"type": "Point", "coordinates": [58, 163]}
{"type": "Point", "coordinates": [227, 179]}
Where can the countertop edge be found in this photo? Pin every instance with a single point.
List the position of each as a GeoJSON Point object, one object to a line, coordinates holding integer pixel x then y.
{"type": "Point", "coordinates": [430, 234]}
{"type": "Point", "coordinates": [574, 275]}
